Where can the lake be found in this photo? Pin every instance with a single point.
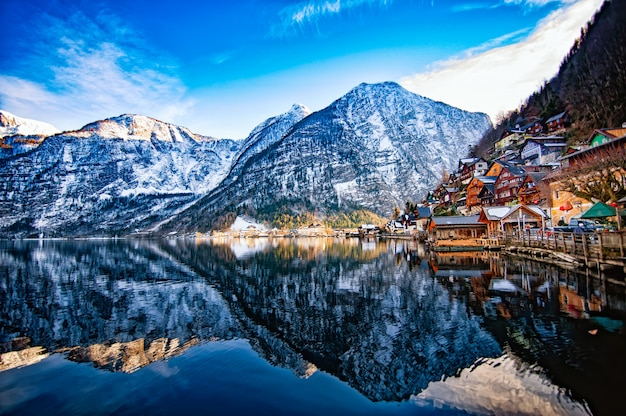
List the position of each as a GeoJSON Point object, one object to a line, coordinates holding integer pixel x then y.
{"type": "Point", "coordinates": [302, 326]}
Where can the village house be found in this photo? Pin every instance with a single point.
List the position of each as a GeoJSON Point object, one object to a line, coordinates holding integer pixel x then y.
{"type": "Point", "coordinates": [564, 205]}
{"type": "Point", "coordinates": [469, 168]}
{"type": "Point", "coordinates": [602, 136]}
{"type": "Point", "coordinates": [422, 217]}
{"type": "Point", "coordinates": [456, 227]}
{"type": "Point", "coordinates": [557, 122]}
{"type": "Point", "coordinates": [512, 219]}
{"type": "Point", "coordinates": [508, 183]}
{"type": "Point", "coordinates": [542, 150]}
{"type": "Point", "coordinates": [533, 128]}
{"type": "Point", "coordinates": [448, 195]}
{"type": "Point", "coordinates": [530, 191]}
{"type": "Point", "coordinates": [475, 187]}
{"type": "Point", "coordinates": [487, 194]}
{"type": "Point", "coordinates": [509, 140]}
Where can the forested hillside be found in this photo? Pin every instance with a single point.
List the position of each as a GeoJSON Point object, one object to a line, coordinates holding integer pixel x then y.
{"type": "Point", "coordinates": [590, 84]}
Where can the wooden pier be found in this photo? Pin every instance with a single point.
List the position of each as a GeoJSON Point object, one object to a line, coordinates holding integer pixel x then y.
{"type": "Point", "coordinates": [597, 251]}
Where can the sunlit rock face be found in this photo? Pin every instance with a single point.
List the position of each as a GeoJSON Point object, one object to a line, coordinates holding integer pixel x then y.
{"type": "Point", "coordinates": [130, 356]}
{"type": "Point", "coordinates": [374, 148]}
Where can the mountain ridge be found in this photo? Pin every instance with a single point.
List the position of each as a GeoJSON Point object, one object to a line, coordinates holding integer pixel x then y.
{"type": "Point", "coordinates": [132, 173]}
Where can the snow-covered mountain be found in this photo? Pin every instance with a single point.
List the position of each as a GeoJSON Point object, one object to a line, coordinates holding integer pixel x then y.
{"type": "Point", "coordinates": [11, 125]}
{"type": "Point", "coordinates": [375, 148]}
{"type": "Point", "coordinates": [20, 135]}
{"type": "Point", "coordinates": [110, 177]}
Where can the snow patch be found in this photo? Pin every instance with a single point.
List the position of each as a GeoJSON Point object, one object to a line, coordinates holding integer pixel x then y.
{"type": "Point", "coordinates": [245, 223]}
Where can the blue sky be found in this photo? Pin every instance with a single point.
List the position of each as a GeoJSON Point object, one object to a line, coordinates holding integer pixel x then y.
{"type": "Point", "coordinates": [222, 67]}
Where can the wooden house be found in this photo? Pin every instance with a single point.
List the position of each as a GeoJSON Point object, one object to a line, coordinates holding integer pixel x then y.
{"type": "Point", "coordinates": [557, 122]}
{"type": "Point", "coordinates": [509, 140]}
{"type": "Point", "coordinates": [533, 128]}
{"type": "Point", "coordinates": [508, 183]}
{"type": "Point", "coordinates": [487, 194]}
{"type": "Point", "coordinates": [529, 192]}
{"type": "Point", "coordinates": [512, 219]}
{"type": "Point", "coordinates": [599, 142]}
{"type": "Point", "coordinates": [494, 169]}
{"type": "Point", "coordinates": [474, 188]}
{"type": "Point", "coordinates": [469, 168]}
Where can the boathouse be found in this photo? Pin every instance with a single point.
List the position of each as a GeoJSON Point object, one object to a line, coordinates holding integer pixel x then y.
{"type": "Point", "coordinates": [456, 227]}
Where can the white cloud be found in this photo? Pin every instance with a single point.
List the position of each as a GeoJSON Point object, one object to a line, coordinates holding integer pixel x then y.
{"type": "Point", "coordinates": [301, 15]}
{"type": "Point", "coordinates": [92, 77]}
{"type": "Point", "coordinates": [536, 3]}
{"type": "Point", "coordinates": [499, 79]}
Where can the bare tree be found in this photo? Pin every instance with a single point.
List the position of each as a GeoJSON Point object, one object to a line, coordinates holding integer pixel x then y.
{"type": "Point", "coordinates": [599, 174]}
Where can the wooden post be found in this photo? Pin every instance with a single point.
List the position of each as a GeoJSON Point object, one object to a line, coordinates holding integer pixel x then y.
{"type": "Point", "coordinates": [621, 243]}
{"type": "Point", "coordinates": [574, 244]}
{"type": "Point", "coordinates": [601, 250]}
{"type": "Point", "coordinates": [585, 249]}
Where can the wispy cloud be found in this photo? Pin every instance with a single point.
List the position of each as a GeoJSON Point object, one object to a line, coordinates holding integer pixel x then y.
{"type": "Point", "coordinates": [536, 3]}
{"type": "Point", "coordinates": [297, 17]}
{"type": "Point", "coordinates": [498, 79]}
{"type": "Point", "coordinates": [526, 4]}
{"type": "Point", "coordinates": [97, 69]}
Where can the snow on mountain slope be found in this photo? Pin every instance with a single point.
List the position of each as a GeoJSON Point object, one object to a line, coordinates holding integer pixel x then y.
{"type": "Point", "coordinates": [110, 177]}
{"type": "Point", "coordinates": [375, 148]}
{"type": "Point", "coordinates": [11, 125]}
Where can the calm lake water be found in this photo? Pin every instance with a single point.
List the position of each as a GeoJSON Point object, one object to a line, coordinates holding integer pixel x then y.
{"type": "Point", "coordinates": [302, 326]}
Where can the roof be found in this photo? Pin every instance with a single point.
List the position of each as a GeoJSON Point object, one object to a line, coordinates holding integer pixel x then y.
{"type": "Point", "coordinates": [498, 213]}
{"type": "Point", "coordinates": [537, 176]}
{"type": "Point", "coordinates": [423, 212]}
{"type": "Point", "coordinates": [468, 161]}
{"type": "Point", "coordinates": [595, 148]}
{"type": "Point", "coordinates": [456, 220]}
{"type": "Point", "coordinates": [489, 187]}
{"type": "Point", "coordinates": [545, 138]}
{"type": "Point", "coordinates": [556, 117]}
{"type": "Point", "coordinates": [513, 169]}
{"type": "Point", "coordinates": [486, 179]}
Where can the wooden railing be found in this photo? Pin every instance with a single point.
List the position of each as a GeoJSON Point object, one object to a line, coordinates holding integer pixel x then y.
{"type": "Point", "coordinates": [588, 245]}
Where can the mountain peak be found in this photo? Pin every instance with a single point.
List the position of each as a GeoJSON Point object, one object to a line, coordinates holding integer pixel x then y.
{"type": "Point", "coordinates": [138, 127]}
{"type": "Point", "coordinates": [11, 124]}
{"type": "Point", "coordinates": [300, 109]}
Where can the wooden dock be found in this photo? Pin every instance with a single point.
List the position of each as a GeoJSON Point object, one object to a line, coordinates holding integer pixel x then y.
{"type": "Point", "coordinates": [596, 251]}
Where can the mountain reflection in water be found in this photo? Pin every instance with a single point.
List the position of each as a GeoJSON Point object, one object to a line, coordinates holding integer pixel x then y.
{"type": "Point", "coordinates": [394, 322]}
